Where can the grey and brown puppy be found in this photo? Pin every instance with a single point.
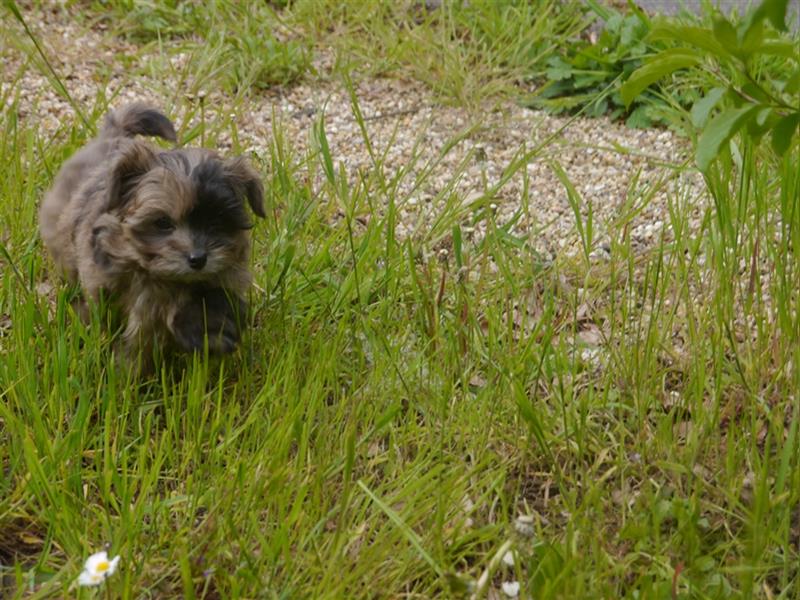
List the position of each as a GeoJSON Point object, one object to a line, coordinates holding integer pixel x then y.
{"type": "Point", "coordinates": [164, 234]}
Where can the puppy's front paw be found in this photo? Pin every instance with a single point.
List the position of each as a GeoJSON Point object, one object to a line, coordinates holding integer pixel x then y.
{"type": "Point", "coordinates": [188, 330]}
{"type": "Point", "coordinates": [209, 314]}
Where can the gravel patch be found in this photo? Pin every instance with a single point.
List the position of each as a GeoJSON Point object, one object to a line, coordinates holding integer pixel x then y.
{"type": "Point", "coordinates": [609, 165]}
{"type": "Point", "coordinates": [602, 159]}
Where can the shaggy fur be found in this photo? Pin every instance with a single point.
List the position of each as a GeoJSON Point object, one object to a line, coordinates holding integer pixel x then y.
{"type": "Point", "coordinates": [164, 234]}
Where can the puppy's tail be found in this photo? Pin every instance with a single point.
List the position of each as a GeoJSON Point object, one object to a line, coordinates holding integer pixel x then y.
{"type": "Point", "coordinates": [138, 118]}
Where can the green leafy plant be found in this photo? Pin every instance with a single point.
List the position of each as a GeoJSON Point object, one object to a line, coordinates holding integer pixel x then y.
{"type": "Point", "coordinates": [754, 72]}
{"type": "Point", "coordinates": [241, 36]}
{"type": "Point", "coordinates": [259, 59]}
{"type": "Point", "coordinates": [588, 74]}
{"type": "Point", "coordinates": [466, 52]}
{"type": "Point", "coordinates": [154, 20]}
{"type": "Point", "coordinates": [513, 35]}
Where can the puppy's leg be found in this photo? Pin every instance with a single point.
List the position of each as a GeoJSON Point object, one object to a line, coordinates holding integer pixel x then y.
{"type": "Point", "coordinates": [145, 311]}
{"type": "Point", "coordinates": [136, 348]}
{"type": "Point", "coordinates": [213, 313]}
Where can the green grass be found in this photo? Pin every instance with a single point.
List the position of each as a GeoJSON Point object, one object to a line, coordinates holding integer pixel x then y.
{"type": "Point", "coordinates": [467, 53]}
{"type": "Point", "coordinates": [247, 44]}
{"type": "Point", "coordinates": [392, 413]}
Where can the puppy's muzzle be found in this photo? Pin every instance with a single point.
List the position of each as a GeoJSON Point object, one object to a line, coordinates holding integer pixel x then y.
{"type": "Point", "coordinates": [197, 259]}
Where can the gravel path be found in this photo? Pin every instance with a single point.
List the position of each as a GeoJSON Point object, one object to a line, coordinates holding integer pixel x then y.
{"type": "Point", "coordinates": [608, 163]}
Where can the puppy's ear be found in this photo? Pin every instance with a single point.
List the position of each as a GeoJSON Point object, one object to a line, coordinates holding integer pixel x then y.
{"type": "Point", "coordinates": [246, 182]}
{"type": "Point", "coordinates": [133, 160]}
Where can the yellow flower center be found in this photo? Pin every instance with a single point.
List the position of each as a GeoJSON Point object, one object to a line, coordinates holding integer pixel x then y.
{"type": "Point", "coordinates": [102, 567]}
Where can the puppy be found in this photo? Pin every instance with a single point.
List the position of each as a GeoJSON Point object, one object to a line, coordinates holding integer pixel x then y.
{"type": "Point", "coordinates": [163, 234]}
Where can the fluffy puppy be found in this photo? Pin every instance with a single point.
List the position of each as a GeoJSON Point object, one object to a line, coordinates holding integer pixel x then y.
{"type": "Point", "coordinates": [163, 234]}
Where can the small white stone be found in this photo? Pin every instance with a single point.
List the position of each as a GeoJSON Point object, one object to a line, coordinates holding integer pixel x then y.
{"type": "Point", "coordinates": [508, 559]}
{"type": "Point", "coordinates": [524, 525]}
{"type": "Point", "coordinates": [510, 588]}
{"type": "Point", "coordinates": [591, 356]}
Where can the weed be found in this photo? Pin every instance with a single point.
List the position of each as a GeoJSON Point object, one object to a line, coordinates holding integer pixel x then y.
{"type": "Point", "coordinates": [590, 74]}
{"type": "Point", "coordinates": [242, 38]}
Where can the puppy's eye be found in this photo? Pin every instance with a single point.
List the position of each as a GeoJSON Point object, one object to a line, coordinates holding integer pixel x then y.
{"type": "Point", "coordinates": [164, 224]}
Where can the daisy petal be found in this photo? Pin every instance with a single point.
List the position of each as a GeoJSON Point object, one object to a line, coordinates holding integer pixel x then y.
{"type": "Point", "coordinates": [112, 565]}
{"type": "Point", "coordinates": [89, 579]}
{"type": "Point", "coordinates": [96, 560]}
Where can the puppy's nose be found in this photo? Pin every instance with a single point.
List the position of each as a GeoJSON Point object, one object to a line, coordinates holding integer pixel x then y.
{"type": "Point", "coordinates": [197, 259]}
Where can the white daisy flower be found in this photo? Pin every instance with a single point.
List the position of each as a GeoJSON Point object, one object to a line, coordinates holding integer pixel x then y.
{"type": "Point", "coordinates": [97, 568]}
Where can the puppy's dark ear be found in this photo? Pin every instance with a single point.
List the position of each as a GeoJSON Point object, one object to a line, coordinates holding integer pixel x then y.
{"type": "Point", "coordinates": [133, 160]}
{"type": "Point", "coordinates": [246, 182]}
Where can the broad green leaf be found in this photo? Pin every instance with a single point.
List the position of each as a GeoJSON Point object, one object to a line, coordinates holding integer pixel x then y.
{"type": "Point", "coordinates": [763, 122]}
{"type": "Point", "coordinates": [558, 73]}
{"type": "Point", "coordinates": [725, 34]}
{"type": "Point", "coordinates": [705, 563]}
{"type": "Point", "coordinates": [639, 118]}
{"type": "Point", "coordinates": [695, 36]}
{"type": "Point", "coordinates": [783, 132]}
{"type": "Point", "coordinates": [588, 80]}
{"type": "Point", "coordinates": [614, 22]}
{"type": "Point", "coordinates": [785, 49]}
{"type": "Point", "coordinates": [763, 115]}
{"type": "Point", "coordinates": [775, 11]}
{"type": "Point", "coordinates": [702, 108]}
{"type": "Point", "coordinates": [792, 86]}
{"type": "Point", "coordinates": [632, 31]}
{"type": "Point", "coordinates": [660, 65]}
{"type": "Point", "coordinates": [719, 130]}
{"type": "Point", "coordinates": [752, 37]}
{"type": "Point", "coordinates": [559, 69]}
{"type": "Point", "coordinates": [755, 92]}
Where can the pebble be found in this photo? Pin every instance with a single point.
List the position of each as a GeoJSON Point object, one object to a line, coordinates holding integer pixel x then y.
{"type": "Point", "coordinates": [510, 588]}
{"type": "Point", "coordinates": [524, 525]}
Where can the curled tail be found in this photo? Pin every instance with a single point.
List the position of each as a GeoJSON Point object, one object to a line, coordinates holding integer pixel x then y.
{"type": "Point", "coordinates": [138, 118]}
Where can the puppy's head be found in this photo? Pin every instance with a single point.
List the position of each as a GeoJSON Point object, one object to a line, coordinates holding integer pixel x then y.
{"type": "Point", "coordinates": [184, 213]}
